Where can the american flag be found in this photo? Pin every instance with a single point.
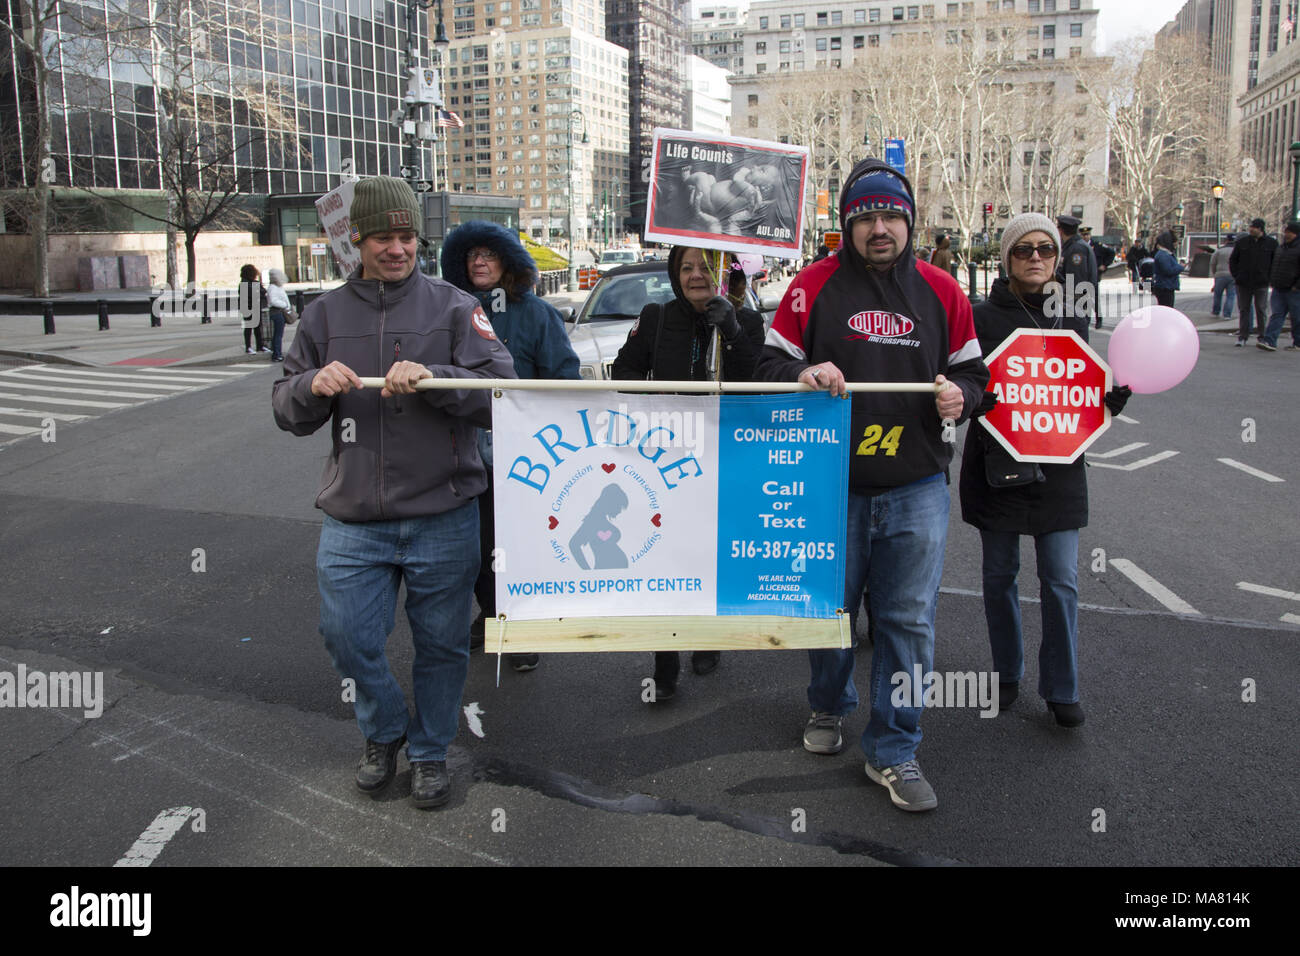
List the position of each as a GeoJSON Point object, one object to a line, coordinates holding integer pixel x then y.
{"type": "Point", "coordinates": [447, 119]}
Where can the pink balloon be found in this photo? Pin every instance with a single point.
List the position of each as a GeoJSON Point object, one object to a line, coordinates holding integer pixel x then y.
{"type": "Point", "coordinates": [750, 262]}
{"type": "Point", "coordinates": [1153, 349]}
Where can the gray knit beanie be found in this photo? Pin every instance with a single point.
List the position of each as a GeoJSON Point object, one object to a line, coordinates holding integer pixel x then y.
{"type": "Point", "coordinates": [383, 204]}
{"type": "Point", "coordinates": [1022, 226]}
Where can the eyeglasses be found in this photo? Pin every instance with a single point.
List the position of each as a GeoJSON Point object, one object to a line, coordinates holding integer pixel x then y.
{"type": "Point", "coordinates": [487, 255]}
{"type": "Point", "coordinates": [1045, 250]}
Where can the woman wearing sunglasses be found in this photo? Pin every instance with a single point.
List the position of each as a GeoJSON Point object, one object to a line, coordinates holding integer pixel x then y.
{"type": "Point", "coordinates": [1048, 502]}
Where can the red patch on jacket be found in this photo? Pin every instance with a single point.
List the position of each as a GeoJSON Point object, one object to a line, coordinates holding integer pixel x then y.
{"type": "Point", "coordinates": [482, 325]}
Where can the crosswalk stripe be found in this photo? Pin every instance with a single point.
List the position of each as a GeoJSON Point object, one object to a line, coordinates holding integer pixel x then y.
{"type": "Point", "coordinates": [1255, 472]}
{"type": "Point", "coordinates": [18, 430]}
{"type": "Point", "coordinates": [143, 396]}
{"type": "Point", "coordinates": [33, 413]}
{"type": "Point", "coordinates": [1134, 466]}
{"type": "Point", "coordinates": [173, 372]}
{"type": "Point", "coordinates": [49, 400]}
{"type": "Point", "coordinates": [1117, 451]}
{"type": "Point", "coordinates": [42, 375]}
{"type": "Point", "coordinates": [1271, 592]}
{"type": "Point", "coordinates": [1153, 587]}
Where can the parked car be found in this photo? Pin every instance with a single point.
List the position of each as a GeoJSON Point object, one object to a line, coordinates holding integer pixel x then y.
{"type": "Point", "coordinates": [612, 258]}
{"type": "Point", "coordinates": [599, 328]}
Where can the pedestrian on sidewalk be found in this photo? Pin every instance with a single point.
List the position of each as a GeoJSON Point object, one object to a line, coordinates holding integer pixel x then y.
{"type": "Point", "coordinates": [490, 263]}
{"type": "Point", "coordinates": [252, 298]}
{"type": "Point", "coordinates": [277, 299]}
{"type": "Point", "coordinates": [1168, 269]}
{"type": "Point", "coordinates": [1220, 268]}
{"type": "Point", "coordinates": [1136, 253]}
{"type": "Point", "coordinates": [1284, 277]}
{"type": "Point", "coordinates": [1250, 262]}
{"type": "Point", "coordinates": [400, 487]}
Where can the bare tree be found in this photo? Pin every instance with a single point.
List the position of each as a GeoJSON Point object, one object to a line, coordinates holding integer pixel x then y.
{"type": "Point", "coordinates": [1156, 105]}
{"type": "Point", "coordinates": [28, 162]}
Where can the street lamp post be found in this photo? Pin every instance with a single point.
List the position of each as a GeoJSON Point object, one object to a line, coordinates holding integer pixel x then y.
{"type": "Point", "coordinates": [1217, 190]}
{"type": "Point", "coordinates": [1295, 179]}
{"type": "Point", "coordinates": [575, 115]}
{"type": "Point", "coordinates": [1178, 222]}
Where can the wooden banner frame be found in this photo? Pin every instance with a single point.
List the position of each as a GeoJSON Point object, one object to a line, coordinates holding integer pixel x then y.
{"type": "Point", "coordinates": [654, 633]}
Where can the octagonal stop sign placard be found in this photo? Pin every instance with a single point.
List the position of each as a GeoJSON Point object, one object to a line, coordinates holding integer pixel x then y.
{"type": "Point", "coordinates": [1050, 387]}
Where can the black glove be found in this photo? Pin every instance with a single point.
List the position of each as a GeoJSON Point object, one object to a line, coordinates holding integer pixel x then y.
{"type": "Point", "coordinates": [988, 402]}
{"type": "Point", "coordinates": [1117, 398]}
{"type": "Point", "coordinates": [722, 316]}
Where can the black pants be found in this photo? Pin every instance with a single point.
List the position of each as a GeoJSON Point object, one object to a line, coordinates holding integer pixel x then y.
{"type": "Point", "coordinates": [250, 333]}
{"type": "Point", "coordinates": [1164, 297]}
{"type": "Point", "coordinates": [1248, 301]}
{"type": "Point", "coordinates": [485, 585]}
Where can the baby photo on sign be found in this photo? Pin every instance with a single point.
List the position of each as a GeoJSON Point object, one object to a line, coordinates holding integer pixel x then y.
{"type": "Point", "coordinates": [741, 194]}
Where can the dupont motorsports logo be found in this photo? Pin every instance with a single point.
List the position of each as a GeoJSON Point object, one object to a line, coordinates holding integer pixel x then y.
{"type": "Point", "coordinates": [886, 328]}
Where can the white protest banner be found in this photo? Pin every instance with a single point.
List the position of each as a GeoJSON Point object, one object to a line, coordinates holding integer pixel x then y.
{"type": "Point", "coordinates": [332, 209]}
{"type": "Point", "coordinates": [670, 506]}
{"type": "Point", "coordinates": [742, 195]}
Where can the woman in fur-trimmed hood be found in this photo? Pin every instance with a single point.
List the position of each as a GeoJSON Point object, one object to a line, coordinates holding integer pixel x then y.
{"type": "Point", "coordinates": [490, 263]}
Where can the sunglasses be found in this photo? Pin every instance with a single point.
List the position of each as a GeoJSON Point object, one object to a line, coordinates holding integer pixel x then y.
{"type": "Point", "coordinates": [1045, 250]}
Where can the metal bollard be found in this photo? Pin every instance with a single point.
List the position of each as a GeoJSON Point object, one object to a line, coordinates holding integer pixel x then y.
{"type": "Point", "coordinates": [103, 314]}
{"type": "Point", "coordinates": [206, 318]}
{"type": "Point", "coordinates": [299, 301]}
{"type": "Point", "coordinates": [47, 309]}
{"type": "Point", "coordinates": [973, 273]}
{"type": "Point", "coordinates": [155, 310]}
{"type": "Point", "coordinates": [952, 267]}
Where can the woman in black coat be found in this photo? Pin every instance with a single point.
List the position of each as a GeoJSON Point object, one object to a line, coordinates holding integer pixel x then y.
{"type": "Point", "coordinates": [671, 342]}
{"type": "Point", "coordinates": [1051, 506]}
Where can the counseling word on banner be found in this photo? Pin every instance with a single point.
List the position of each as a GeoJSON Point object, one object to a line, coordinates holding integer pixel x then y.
{"type": "Point", "coordinates": [672, 520]}
{"type": "Point", "coordinates": [743, 195]}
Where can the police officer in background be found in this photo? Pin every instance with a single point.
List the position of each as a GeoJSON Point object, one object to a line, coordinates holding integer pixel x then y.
{"type": "Point", "coordinates": [1077, 260]}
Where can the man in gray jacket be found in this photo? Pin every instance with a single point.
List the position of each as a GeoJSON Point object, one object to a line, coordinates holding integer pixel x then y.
{"type": "Point", "coordinates": [400, 485]}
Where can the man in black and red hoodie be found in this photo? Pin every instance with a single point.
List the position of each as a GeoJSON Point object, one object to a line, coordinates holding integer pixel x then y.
{"type": "Point", "coordinates": [873, 313]}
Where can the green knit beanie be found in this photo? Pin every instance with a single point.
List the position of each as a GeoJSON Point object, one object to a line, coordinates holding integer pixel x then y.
{"type": "Point", "coordinates": [383, 204]}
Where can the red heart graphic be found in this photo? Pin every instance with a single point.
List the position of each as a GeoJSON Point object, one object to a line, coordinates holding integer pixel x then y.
{"type": "Point", "coordinates": [655, 520]}
{"type": "Point", "coordinates": [608, 468]}
{"type": "Point", "coordinates": [551, 522]}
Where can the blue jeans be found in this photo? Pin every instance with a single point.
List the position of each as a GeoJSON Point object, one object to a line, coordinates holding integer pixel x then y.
{"type": "Point", "coordinates": [1058, 560]}
{"type": "Point", "coordinates": [359, 567]}
{"type": "Point", "coordinates": [1280, 302]}
{"type": "Point", "coordinates": [1220, 284]}
{"type": "Point", "coordinates": [895, 547]}
{"type": "Point", "coordinates": [277, 334]}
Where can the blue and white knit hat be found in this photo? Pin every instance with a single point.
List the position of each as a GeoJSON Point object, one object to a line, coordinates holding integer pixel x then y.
{"type": "Point", "coordinates": [876, 190]}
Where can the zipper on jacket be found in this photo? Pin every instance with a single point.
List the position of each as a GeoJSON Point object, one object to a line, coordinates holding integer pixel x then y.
{"type": "Point", "coordinates": [383, 314]}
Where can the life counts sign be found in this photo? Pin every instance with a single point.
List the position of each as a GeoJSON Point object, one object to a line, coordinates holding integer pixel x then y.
{"type": "Point", "coordinates": [1050, 387]}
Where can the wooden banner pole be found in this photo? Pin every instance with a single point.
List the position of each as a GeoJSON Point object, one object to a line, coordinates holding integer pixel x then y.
{"type": "Point", "coordinates": [605, 385]}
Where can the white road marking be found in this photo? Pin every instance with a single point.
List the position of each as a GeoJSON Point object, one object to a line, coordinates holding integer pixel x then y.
{"type": "Point", "coordinates": [1141, 463]}
{"type": "Point", "coordinates": [33, 413]}
{"type": "Point", "coordinates": [1248, 470]}
{"type": "Point", "coordinates": [1130, 421]}
{"type": "Point", "coordinates": [64, 401]}
{"type": "Point", "coordinates": [472, 715]}
{"type": "Point", "coordinates": [151, 842]}
{"type": "Point", "coordinates": [18, 430]}
{"type": "Point", "coordinates": [69, 377]}
{"type": "Point", "coordinates": [159, 370]}
{"type": "Point", "coordinates": [85, 391]}
{"type": "Point", "coordinates": [1153, 587]}
{"type": "Point", "coordinates": [1271, 592]}
{"type": "Point", "coordinates": [1117, 451]}
{"type": "Point", "coordinates": [1290, 618]}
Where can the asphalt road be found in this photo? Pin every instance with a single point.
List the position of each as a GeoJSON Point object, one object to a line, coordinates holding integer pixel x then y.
{"type": "Point", "coordinates": [220, 696]}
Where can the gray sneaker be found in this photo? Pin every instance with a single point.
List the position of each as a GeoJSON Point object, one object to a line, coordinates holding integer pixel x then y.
{"type": "Point", "coordinates": [906, 786]}
{"type": "Point", "coordinates": [821, 735]}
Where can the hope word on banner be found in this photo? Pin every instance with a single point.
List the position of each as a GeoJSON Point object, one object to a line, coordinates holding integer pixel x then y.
{"type": "Point", "coordinates": [661, 504]}
{"type": "Point", "coordinates": [1050, 388]}
{"type": "Point", "coordinates": [742, 195]}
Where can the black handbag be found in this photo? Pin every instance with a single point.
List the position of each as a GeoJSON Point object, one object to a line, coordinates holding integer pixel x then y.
{"type": "Point", "coordinates": [1003, 471]}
